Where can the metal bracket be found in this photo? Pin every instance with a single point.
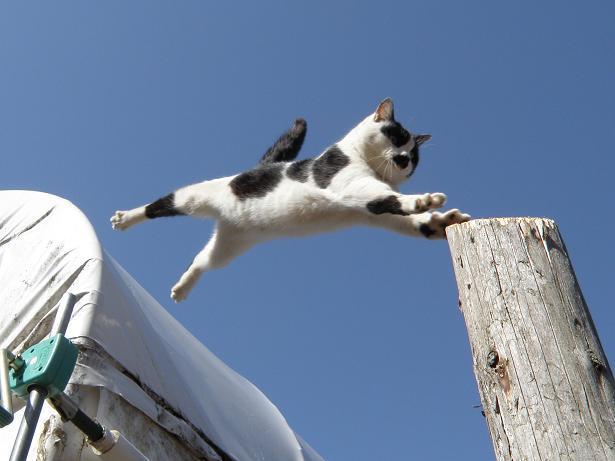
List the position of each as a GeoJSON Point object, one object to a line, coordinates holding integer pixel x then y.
{"type": "Point", "coordinates": [36, 394]}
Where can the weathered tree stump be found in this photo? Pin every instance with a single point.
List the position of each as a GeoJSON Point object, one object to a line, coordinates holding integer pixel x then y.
{"type": "Point", "coordinates": [546, 387]}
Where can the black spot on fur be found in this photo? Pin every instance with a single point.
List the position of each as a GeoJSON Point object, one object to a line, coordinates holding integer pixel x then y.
{"type": "Point", "coordinates": [257, 182]}
{"type": "Point", "coordinates": [328, 165]}
{"type": "Point", "coordinates": [299, 171]}
{"type": "Point", "coordinates": [287, 147]}
{"type": "Point", "coordinates": [426, 230]}
{"type": "Point", "coordinates": [414, 156]}
{"type": "Point", "coordinates": [162, 207]}
{"type": "Point", "coordinates": [396, 133]}
{"type": "Point", "coordinates": [389, 204]}
{"type": "Point", "coordinates": [401, 160]}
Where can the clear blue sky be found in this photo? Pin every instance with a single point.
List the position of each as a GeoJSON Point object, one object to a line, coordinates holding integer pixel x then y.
{"type": "Point", "coordinates": [355, 336]}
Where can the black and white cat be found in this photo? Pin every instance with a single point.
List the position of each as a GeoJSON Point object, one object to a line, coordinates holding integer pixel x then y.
{"type": "Point", "coordinates": [353, 182]}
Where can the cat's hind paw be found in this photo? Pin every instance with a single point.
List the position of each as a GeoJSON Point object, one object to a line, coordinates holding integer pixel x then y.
{"type": "Point", "coordinates": [438, 222]}
{"type": "Point", "coordinates": [117, 220]}
{"type": "Point", "coordinates": [180, 290]}
{"type": "Point", "coordinates": [186, 283]}
{"type": "Point", "coordinates": [122, 220]}
{"type": "Point", "coordinates": [178, 294]}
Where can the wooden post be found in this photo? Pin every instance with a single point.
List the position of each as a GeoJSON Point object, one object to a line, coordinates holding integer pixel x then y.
{"type": "Point", "coordinates": [546, 387]}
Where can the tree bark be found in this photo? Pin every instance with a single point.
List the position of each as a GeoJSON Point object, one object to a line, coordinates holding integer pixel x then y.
{"type": "Point", "coordinates": [546, 387]}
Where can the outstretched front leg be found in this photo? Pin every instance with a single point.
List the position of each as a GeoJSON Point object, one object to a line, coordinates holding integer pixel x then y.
{"type": "Point", "coordinates": [406, 214]}
{"type": "Point", "coordinates": [405, 205]}
{"type": "Point", "coordinates": [431, 225]}
{"type": "Point", "coordinates": [374, 197]}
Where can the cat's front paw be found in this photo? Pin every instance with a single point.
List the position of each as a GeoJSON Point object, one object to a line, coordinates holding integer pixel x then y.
{"type": "Point", "coordinates": [429, 201]}
{"type": "Point", "coordinates": [435, 227]}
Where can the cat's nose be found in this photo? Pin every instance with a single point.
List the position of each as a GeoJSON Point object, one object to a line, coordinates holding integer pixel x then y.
{"type": "Point", "coordinates": [401, 160]}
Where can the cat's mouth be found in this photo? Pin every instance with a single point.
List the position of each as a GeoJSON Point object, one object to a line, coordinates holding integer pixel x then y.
{"type": "Point", "coordinates": [401, 160]}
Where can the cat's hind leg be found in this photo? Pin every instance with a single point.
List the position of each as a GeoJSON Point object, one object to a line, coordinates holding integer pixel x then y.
{"type": "Point", "coordinates": [225, 244]}
{"type": "Point", "coordinates": [165, 206]}
{"type": "Point", "coordinates": [200, 200]}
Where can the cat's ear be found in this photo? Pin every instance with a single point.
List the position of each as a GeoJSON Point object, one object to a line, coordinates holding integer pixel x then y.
{"type": "Point", "coordinates": [384, 112]}
{"type": "Point", "coordinates": [421, 138]}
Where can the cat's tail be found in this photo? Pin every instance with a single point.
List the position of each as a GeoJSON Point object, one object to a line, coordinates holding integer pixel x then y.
{"type": "Point", "coordinates": [287, 147]}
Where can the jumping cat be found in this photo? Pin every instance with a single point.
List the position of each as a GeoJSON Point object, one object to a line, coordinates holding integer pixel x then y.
{"type": "Point", "coordinates": [353, 182]}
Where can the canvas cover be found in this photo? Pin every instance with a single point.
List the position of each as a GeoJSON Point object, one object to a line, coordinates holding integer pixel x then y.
{"type": "Point", "coordinates": [130, 346]}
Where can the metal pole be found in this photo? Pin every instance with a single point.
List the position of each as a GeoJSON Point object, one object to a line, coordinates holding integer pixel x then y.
{"type": "Point", "coordinates": [38, 393]}
{"type": "Point", "coordinates": [28, 423]}
{"type": "Point", "coordinates": [5, 390]}
{"type": "Point", "coordinates": [65, 310]}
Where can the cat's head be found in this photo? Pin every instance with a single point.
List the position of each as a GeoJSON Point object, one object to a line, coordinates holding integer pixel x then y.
{"type": "Point", "coordinates": [390, 149]}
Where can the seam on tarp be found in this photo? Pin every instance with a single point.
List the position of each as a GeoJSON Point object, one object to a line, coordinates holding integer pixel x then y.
{"type": "Point", "coordinates": [23, 231]}
{"type": "Point", "coordinates": [85, 343]}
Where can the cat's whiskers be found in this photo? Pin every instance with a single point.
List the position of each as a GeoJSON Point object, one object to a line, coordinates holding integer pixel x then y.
{"type": "Point", "coordinates": [378, 170]}
{"type": "Point", "coordinates": [383, 163]}
{"type": "Point", "coordinates": [383, 160]}
{"type": "Point", "coordinates": [385, 169]}
{"type": "Point", "coordinates": [389, 170]}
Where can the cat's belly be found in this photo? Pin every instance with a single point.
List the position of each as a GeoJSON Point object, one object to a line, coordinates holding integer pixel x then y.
{"type": "Point", "coordinates": [291, 215]}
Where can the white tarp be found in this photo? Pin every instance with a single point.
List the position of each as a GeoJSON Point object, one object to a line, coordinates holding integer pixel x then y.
{"type": "Point", "coordinates": [129, 344]}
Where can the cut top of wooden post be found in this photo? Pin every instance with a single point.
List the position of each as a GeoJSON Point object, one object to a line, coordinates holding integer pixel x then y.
{"type": "Point", "coordinates": [546, 386]}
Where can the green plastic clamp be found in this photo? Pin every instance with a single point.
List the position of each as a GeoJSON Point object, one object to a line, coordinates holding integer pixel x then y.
{"type": "Point", "coordinates": [48, 364]}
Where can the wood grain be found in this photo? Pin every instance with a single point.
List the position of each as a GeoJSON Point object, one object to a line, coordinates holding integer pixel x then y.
{"type": "Point", "coordinates": [545, 384]}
